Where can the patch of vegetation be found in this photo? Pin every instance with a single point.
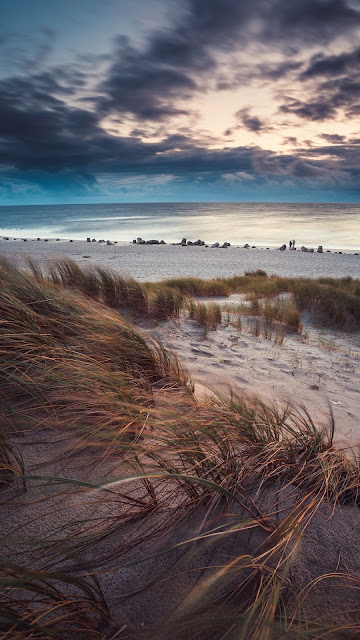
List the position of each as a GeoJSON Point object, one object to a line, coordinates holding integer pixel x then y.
{"type": "Point", "coordinates": [237, 481]}
{"type": "Point", "coordinates": [207, 315]}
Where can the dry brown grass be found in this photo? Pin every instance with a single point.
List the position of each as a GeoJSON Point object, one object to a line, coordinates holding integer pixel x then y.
{"type": "Point", "coordinates": [70, 364]}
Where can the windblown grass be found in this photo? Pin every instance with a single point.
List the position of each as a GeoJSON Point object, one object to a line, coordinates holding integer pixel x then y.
{"type": "Point", "coordinates": [253, 476]}
{"type": "Point", "coordinates": [44, 605]}
{"type": "Point", "coordinates": [66, 359]}
{"type": "Point", "coordinates": [207, 315]}
{"type": "Point", "coordinates": [331, 301]}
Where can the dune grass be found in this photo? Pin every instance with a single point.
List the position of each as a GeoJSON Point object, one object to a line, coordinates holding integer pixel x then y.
{"type": "Point", "coordinates": [207, 315]}
{"type": "Point", "coordinates": [331, 301]}
{"type": "Point", "coordinates": [71, 365]}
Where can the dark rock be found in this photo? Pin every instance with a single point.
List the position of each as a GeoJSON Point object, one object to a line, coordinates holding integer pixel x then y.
{"type": "Point", "coordinates": [24, 240]}
{"type": "Point", "coordinates": [71, 240]}
{"type": "Point", "coordinates": [253, 247]}
{"type": "Point", "coordinates": [108, 242]}
{"type": "Point", "coordinates": [215, 245]}
{"type": "Point", "coordinates": [152, 242]}
{"type": "Point", "coordinates": [183, 241]}
{"type": "Point", "coordinates": [57, 239]}
{"type": "Point", "coordinates": [162, 242]}
{"type": "Point", "coordinates": [38, 239]}
{"type": "Point", "coordinates": [101, 241]}
{"type": "Point", "coordinates": [93, 240]}
{"type": "Point", "coordinates": [246, 246]}
{"type": "Point", "coordinates": [88, 239]}
{"type": "Point", "coordinates": [134, 241]}
{"type": "Point", "coordinates": [320, 249]}
{"type": "Point", "coordinates": [340, 252]}
{"type": "Point", "coordinates": [283, 247]}
{"type": "Point", "coordinates": [86, 256]}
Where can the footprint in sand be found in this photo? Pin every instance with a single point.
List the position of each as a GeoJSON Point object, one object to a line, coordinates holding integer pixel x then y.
{"type": "Point", "coordinates": [201, 352]}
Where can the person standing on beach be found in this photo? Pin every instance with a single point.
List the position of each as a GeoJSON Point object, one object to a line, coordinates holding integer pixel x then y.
{"type": "Point", "coordinates": [290, 243]}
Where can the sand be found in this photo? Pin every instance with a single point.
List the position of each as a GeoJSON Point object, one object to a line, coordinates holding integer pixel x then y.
{"type": "Point", "coordinates": [157, 262]}
{"type": "Point", "coordinates": [320, 369]}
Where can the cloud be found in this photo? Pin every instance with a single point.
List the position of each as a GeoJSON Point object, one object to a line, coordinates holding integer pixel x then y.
{"type": "Point", "coordinates": [333, 138]}
{"type": "Point", "coordinates": [52, 123]}
{"type": "Point", "coordinates": [251, 123]}
{"type": "Point", "coordinates": [26, 53]}
{"type": "Point", "coordinates": [177, 63]}
{"type": "Point", "coordinates": [334, 65]}
{"type": "Point", "coordinates": [238, 176]}
{"type": "Point", "coordinates": [326, 100]}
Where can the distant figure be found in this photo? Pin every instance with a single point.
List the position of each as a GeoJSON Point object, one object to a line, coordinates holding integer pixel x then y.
{"type": "Point", "coordinates": [293, 244]}
{"type": "Point", "coordinates": [290, 244]}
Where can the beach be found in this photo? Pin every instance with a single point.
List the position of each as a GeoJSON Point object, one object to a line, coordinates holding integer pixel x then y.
{"type": "Point", "coordinates": [157, 262]}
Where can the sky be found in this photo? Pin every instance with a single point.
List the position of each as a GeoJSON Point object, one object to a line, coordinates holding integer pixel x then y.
{"type": "Point", "coordinates": [179, 100]}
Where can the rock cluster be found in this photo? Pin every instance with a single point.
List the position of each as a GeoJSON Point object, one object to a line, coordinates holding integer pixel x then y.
{"type": "Point", "coordinates": [223, 246]}
{"type": "Point", "coordinates": [141, 241]}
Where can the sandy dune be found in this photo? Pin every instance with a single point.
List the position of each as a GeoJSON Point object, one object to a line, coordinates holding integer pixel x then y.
{"type": "Point", "coordinates": [319, 369]}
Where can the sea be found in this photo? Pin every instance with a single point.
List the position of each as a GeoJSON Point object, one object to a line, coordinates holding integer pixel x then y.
{"type": "Point", "coordinates": [335, 226]}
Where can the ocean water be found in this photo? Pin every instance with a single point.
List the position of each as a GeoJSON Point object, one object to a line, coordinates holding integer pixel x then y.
{"type": "Point", "coordinates": [335, 226]}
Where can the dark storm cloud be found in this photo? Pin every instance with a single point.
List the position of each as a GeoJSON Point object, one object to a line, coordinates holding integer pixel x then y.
{"type": "Point", "coordinates": [144, 85]}
{"type": "Point", "coordinates": [68, 146]}
{"type": "Point", "coordinates": [334, 65]}
{"type": "Point", "coordinates": [316, 110]}
{"type": "Point", "coordinates": [310, 20]}
{"type": "Point", "coordinates": [326, 99]}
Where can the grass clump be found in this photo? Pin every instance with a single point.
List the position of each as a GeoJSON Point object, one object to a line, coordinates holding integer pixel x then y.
{"type": "Point", "coordinates": [65, 360]}
{"type": "Point", "coordinates": [198, 287]}
{"type": "Point", "coordinates": [207, 315]}
{"type": "Point", "coordinates": [166, 303]}
{"type": "Point", "coordinates": [48, 604]}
